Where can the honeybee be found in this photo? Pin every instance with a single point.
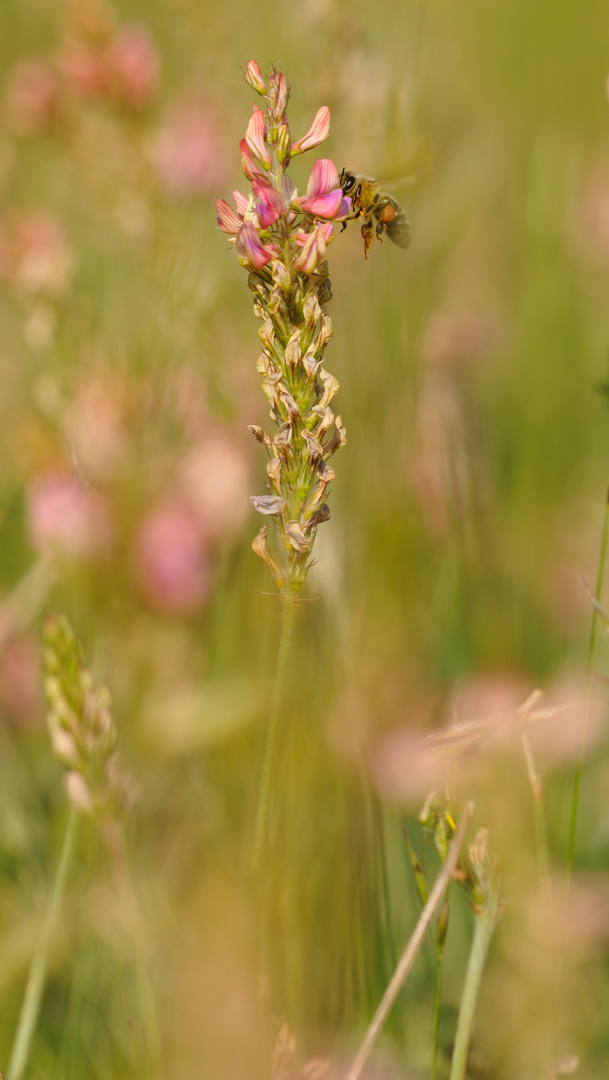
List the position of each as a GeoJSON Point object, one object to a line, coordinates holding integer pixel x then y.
{"type": "Point", "coordinates": [369, 202]}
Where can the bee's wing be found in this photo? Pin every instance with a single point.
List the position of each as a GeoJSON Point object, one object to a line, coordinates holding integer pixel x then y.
{"type": "Point", "coordinates": [396, 182]}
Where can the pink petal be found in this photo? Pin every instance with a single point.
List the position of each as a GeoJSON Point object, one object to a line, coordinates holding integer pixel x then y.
{"type": "Point", "coordinates": [323, 178]}
{"type": "Point", "coordinates": [241, 202]}
{"type": "Point", "coordinates": [324, 206]}
{"type": "Point", "coordinates": [314, 250]}
{"type": "Point", "coordinates": [249, 165]}
{"type": "Point", "coordinates": [254, 78]}
{"type": "Point", "coordinates": [228, 220]}
{"type": "Point", "coordinates": [251, 248]}
{"type": "Point", "coordinates": [317, 133]}
{"type": "Point", "coordinates": [254, 136]}
{"type": "Point", "coordinates": [272, 203]}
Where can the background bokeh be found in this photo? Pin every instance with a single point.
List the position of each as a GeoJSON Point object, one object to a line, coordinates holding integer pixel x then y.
{"type": "Point", "coordinates": [466, 514]}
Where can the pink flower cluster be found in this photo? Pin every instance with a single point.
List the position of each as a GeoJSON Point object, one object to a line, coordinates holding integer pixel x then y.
{"type": "Point", "coordinates": [273, 222]}
{"type": "Point", "coordinates": [121, 66]}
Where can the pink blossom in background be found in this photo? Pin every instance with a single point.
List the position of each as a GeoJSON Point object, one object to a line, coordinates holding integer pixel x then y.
{"type": "Point", "coordinates": [406, 767]}
{"type": "Point", "coordinates": [32, 97]}
{"type": "Point", "coordinates": [214, 478]}
{"type": "Point", "coordinates": [556, 739]}
{"type": "Point", "coordinates": [188, 152]}
{"type": "Point", "coordinates": [36, 255]}
{"type": "Point", "coordinates": [170, 559]}
{"type": "Point", "coordinates": [95, 425]}
{"type": "Point", "coordinates": [132, 67]}
{"type": "Point", "coordinates": [84, 70]}
{"type": "Point", "coordinates": [67, 519]}
{"type": "Point", "coordinates": [590, 214]}
{"type": "Point", "coordinates": [20, 677]}
{"type": "Point", "coordinates": [459, 335]}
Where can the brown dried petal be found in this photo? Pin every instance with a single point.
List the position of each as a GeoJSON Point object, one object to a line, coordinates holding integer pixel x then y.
{"type": "Point", "coordinates": [297, 538]}
{"type": "Point", "coordinates": [339, 439]}
{"type": "Point", "coordinates": [292, 350]}
{"type": "Point", "coordinates": [289, 403]}
{"type": "Point", "coordinates": [263, 364]}
{"type": "Point", "coordinates": [326, 418]}
{"type": "Point", "coordinates": [325, 472]}
{"type": "Point", "coordinates": [281, 275]}
{"type": "Point", "coordinates": [261, 549]}
{"type": "Point", "coordinates": [283, 436]}
{"type": "Point", "coordinates": [266, 333]}
{"type": "Point", "coordinates": [325, 332]}
{"type": "Point", "coordinates": [260, 434]}
{"type": "Point", "coordinates": [318, 518]}
{"type": "Point", "coordinates": [311, 309]}
{"type": "Point", "coordinates": [268, 504]}
{"type": "Point", "coordinates": [331, 386]}
{"type": "Point", "coordinates": [310, 364]}
{"type": "Point", "coordinates": [313, 446]}
{"type": "Point", "coordinates": [273, 471]}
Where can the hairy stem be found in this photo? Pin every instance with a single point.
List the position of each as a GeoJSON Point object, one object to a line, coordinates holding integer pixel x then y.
{"type": "Point", "coordinates": [37, 974]}
{"type": "Point", "coordinates": [264, 795]}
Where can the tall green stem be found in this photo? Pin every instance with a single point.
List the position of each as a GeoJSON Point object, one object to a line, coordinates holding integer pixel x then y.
{"type": "Point", "coordinates": [264, 795]}
{"type": "Point", "coordinates": [584, 735]}
{"type": "Point", "coordinates": [36, 977]}
{"type": "Point", "coordinates": [486, 922]}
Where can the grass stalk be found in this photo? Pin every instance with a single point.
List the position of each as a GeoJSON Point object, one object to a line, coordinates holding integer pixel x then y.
{"type": "Point", "coordinates": [584, 736]}
{"type": "Point", "coordinates": [486, 921]}
{"type": "Point", "coordinates": [264, 796]}
{"type": "Point", "coordinates": [37, 974]}
{"type": "Point", "coordinates": [410, 953]}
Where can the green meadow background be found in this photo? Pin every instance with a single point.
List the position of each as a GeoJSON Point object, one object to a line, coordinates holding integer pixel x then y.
{"type": "Point", "coordinates": [450, 582]}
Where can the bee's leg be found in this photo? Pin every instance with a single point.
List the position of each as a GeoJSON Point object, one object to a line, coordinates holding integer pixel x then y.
{"type": "Point", "coordinates": [343, 226]}
{"type": "Point", "coordinates": [381, 227]}
{"type": "Point", "coordinates": [367, 233]}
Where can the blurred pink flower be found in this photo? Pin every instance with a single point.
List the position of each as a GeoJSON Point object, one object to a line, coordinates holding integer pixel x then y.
{"type": "Point", "coordinates": [214, 478]}
{"type": "Point", "coordinates": [95, 426]}
{"type": "Point", "coordinates": [66, 519]}
{"type": "Point", "coordinates": [556, 739]}
{"type": "Point", "coordinates": [170, 557]}
{"type": "Point", "coordinates": [406, 767]}
{"type": "Point", "coordinates": [36, 255]}
{"type": "Point", "coordinates": [32, 97]}
{"type": "Point", "coordinates": [459, 335]}
{"type": "Point", "coordinates": [132, 65]}
{"type": "Point", "coordinates": [590, 214]}
{"type": "Point", "coordinates": [84, 69]}
{"type": "Point", "coordinates": [20, 677]}
{"type": "Point", "coordinates": [188, 152]}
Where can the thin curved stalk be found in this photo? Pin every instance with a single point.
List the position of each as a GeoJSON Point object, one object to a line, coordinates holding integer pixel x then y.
{"type": "Point", "coordinates": [37, 975]}
{"type": "Point", "coordinates": [409, 955]}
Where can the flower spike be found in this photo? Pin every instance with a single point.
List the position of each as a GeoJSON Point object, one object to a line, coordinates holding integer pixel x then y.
{"type": "Point", "coordinates": [282, 239]}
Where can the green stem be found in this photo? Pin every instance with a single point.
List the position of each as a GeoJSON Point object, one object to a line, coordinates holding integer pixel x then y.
{"type": "Point", "coordinates": [264, 795]}
{"type": "Point", "coordinates": [37, 974]}
{"type": "Point", "coordinates": [436, 1011]}
{"type": "Point", "coordinates": [410, 952]}
{"type": "Point", "coordinates": [486, 922]}
{"type": "Point", "coordinates": [584, 736]}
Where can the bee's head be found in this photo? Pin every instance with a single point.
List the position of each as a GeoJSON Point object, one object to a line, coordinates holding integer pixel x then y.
{"type": "Point", "coordinates": [347, 181]}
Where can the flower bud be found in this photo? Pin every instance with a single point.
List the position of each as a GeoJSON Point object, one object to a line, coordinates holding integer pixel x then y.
{"type": "Point", "coordinates": [254, 78]}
